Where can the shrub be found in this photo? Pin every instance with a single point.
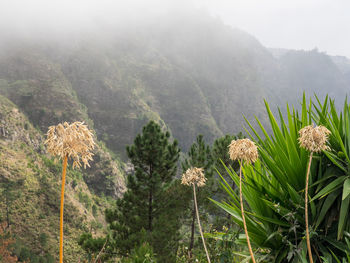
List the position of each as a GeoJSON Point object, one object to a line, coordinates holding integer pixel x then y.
{"type": "Point", "coordinates": [142, 254]}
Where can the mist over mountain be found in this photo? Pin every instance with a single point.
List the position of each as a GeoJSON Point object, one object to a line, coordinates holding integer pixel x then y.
{"type": "Point", "coordinates": [189, 72]}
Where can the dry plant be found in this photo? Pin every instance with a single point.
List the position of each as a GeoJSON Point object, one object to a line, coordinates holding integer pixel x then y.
{"type": "Point", "coordinates": [69, 141]}
{"type": "Point", "coordinates": [195, 176]}
{"type": "Point", "coordinates": [243, 150]}
{"type": "Point", "coordinates": [313, 139]}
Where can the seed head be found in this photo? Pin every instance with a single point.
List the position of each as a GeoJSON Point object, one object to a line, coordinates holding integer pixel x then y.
{"type": "Point", "coordinates": [314, 139]}
{"type": "Point", "coordinates": [194, 175]}
{"type": "Point", "coordinates": [72, 140]}
{"type": "Point", "coordinates": [243, 149]}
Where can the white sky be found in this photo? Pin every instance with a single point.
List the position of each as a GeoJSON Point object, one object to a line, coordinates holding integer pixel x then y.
{"type": "Point", "coordinates": [296, 24]}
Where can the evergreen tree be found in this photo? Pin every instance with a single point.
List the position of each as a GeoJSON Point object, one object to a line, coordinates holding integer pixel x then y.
{"type": "Point", "coordinates": [220, 152]}
{"type": "Point", "coordinates": [147, 202]}
{"type": "Point", "coordinates": [199, 156]}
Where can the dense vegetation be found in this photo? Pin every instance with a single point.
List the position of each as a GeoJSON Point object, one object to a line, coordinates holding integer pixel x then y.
{"type": "Point", "coordinates": [273, 191]}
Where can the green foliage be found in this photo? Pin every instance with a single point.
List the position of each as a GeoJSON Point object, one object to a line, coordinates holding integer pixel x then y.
{"type": "Point", "coordinates": [43, 239]}
{"type": "Point", "coordinates": [273, 187]}
{"type": "Point", "coordinates": [148, 202]}
{"type": "Point", "coordinates": [91, 245]}
{"type": "Point", "coordinates": [85, 199]}
{"type": "Point", "coordinates": [94, 210]}
{"type": "Point", "coordinates": [141, 254]}
{"type": "Point", "coordinates": [199, 156]}
{"type": "Point", "coordinates": [220, 152]}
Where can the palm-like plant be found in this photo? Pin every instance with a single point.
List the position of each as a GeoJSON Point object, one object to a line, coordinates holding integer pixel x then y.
{"type": "Point", "coordinates": [274, 187]}
{"type": "Point", "coordinates": [66, 141]}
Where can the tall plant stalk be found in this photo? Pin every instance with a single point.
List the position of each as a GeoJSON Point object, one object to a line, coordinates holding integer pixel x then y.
{"type": "Point", "coordinates": [306, 210]}
{"type": "Point", "coordinates": [243, 217]}
{"type": "Point", "coordinates": [195, 176]}
{"type": "Point", "coordinates": [62, 206]}
{"type": "Point", "coordinates": [313, 139]}
{"type": "Point", "coordinates": [199, 222]}
{"type": "Point", "coordinates": [76, 142]}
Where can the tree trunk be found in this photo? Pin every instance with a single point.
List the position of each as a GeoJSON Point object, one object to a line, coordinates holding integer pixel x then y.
{"type": "Point", "coordinates": [150, 211]}
{"type": "Point", "coordinates": [150, 200]}
{"type": "Point", "coordinates": [192, 231]}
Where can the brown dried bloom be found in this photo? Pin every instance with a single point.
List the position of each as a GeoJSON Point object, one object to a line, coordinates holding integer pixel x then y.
{"type": "Point", "coordinates": [314, 139]}
{"type": "Point", "coordinates": [72, 140]}
{"type": "Point", "coordinates": [194, 175]}
{"type": "Point", "coordinates": [243, 149]}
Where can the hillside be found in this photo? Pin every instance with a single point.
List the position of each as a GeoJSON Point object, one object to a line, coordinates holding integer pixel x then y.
{"type": "Point", "coordinates": [30, 188]}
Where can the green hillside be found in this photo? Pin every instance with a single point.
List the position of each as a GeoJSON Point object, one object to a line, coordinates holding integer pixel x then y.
{"type": "Point", "coordinates": [30, 189]}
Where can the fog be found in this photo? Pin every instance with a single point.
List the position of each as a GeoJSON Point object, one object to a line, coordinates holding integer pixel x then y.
{"type": "Point", "coordinates": [295, 24]}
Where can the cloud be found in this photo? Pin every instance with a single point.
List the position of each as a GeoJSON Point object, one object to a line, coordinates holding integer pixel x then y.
{"type": "Point", "coordinates": [298, 24]}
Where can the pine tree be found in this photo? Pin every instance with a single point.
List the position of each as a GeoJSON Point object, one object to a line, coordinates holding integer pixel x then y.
{"type": "Point", "coordinates": [147, 202]}
{"type": "Point", "coordinates": [220, 153]}
{"type": "Point", "coordinates": [199, 156]}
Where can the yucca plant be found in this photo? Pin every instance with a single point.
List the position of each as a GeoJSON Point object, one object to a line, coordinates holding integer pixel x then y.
{"type": "Point", "coordinates": [69, 141]}
{"type": "Point", "coordinates": [274, 188]}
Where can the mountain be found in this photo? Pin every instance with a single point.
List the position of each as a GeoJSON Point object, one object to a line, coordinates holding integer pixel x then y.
{"type": "Point", "coordinates": [189, 72]}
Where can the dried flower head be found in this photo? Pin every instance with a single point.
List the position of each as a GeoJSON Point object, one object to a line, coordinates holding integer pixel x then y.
{"type": "Point", "coordinates": [314, 139]}
{"type": "Point", "coordinates": [194, 175]}
{"type": "Point", "coordinates": [72, 140]}
{"type": "Point", "coordinates": [243, 149]}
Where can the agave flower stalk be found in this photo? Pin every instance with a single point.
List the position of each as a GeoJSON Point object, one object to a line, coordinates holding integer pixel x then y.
{"type": "Point", "coordinates": [243, 150]}
{"type": "Point", "coordinates": [313, 139]}
{"type": "Point", "coordinates": [195, 176]}
{"type": "Point", "coordinates": [74, 141]}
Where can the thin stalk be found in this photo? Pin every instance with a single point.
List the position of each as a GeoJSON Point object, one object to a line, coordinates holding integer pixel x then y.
{"type": "Point", "coordinates": [101, 251]}
{"type": "Point", "coordinates": [62, 204]}
{"type": "Point", "coordinates": [306, 210]}
{"type": "Point", "coordinates": [243, 217]}
{"type": "Point", "coordinates": [199, 222]}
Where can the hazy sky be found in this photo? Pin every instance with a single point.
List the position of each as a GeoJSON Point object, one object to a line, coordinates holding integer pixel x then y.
{"type": "Point", "coordinates": [297, 24]}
